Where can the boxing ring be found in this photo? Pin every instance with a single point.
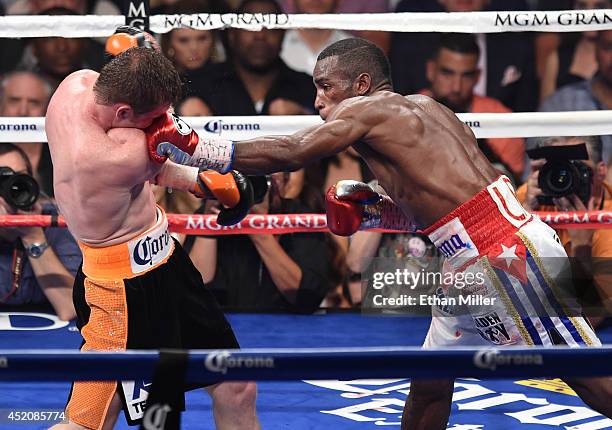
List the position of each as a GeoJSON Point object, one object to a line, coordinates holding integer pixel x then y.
{"type": "Point", "coordinates": [337, 370]}
{"type": "Point", "coordinates": [350, 400]}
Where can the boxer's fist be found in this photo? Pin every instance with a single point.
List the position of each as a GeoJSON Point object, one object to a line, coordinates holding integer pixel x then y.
{"type": "Point", "coordinates": [236, 193]}
{"type": "Point", "coordinates": [352, 206]}
{"type": "Point", "coordinates": [233, 215]}
{"type": "Point", "coordinates": [126, 37]}
{"type": "Point", "coordinates": [169, 137]}
{"type": "Point", "coordinates": [211, 184]}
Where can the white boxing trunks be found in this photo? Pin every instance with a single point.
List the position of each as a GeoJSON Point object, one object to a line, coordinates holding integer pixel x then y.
{"type": "Point", "coordinates": [519, 290]}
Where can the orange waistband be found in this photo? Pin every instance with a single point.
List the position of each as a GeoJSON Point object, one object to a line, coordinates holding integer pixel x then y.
{"type": "Point", "coordinates": [138, 255]}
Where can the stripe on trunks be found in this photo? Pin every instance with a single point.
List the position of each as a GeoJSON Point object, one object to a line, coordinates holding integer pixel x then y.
{"type": "Point", "coordinates": [516, 302]}
{"type": "Point", "coordinates": [553, 300]}
{"type": "Point", "coordinates": [549, 281]}
{"type": "Point", "coordinates": [543, 312]}
{"type": "Point", "coordinates": [509, 307]}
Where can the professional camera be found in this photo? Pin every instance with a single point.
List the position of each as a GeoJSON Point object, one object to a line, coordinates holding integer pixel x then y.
{"type": "Point", "coordinates": [19, 190]}
{"type": "Point", "coordinates": [563, 174]}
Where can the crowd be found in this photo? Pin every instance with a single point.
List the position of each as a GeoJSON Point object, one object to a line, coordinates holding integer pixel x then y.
{"type": "Point", "coordinates": [238, 72]}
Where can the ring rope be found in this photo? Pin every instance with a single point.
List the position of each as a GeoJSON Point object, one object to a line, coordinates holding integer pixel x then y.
{"type": "Point", "coordinates": [298, 223]}
{"type": "Point", "coordinates": [457, 22]}
{"type": "Point", "coordinates": [484, 125]}
{"type": "Point", "coordinates": [284, 364]}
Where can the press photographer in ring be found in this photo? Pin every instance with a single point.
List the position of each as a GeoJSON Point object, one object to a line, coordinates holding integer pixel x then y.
{"type": "Point", "coordinates": [590, 249]}
{"type": "Point", "coordinates": [37, 265]}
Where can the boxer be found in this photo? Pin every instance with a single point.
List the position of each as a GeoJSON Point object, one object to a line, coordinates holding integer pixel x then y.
{"type": "Point", "coordinates": [137, 288]}
{"type": "Point", "coordinates": [437, 180]}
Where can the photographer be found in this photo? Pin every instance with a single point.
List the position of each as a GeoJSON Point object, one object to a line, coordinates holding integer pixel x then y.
{"type": "Point", "coordinates": [288, 272]}
{"type": "Point", "coordinates": [37, 265]}
{"type": "Point", "coordinates": [592, 248]}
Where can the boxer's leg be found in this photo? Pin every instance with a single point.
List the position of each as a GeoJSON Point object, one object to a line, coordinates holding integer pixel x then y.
{"type": "Point", "coordinates": [428, 405]}
{"type": "Point", "coordinates": [234, 405]}
{"type": "Point", "coordinates": [109, 422]}
{"type": "Point", "coordinates": [595, 392]}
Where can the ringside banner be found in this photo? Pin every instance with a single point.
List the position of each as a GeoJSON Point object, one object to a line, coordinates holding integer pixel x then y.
{"type": "Point", "coordinates": [484, 125]}
{"type": "Point", "coordinates": [459, 22]}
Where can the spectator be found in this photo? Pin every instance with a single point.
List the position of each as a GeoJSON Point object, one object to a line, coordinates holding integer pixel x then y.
{"type": "Point", "coordinates": [26, 94]}
{"type": "Point", "coordinates": [414, 251]}
{"type": "Point", "coordinates": [301, 47]}
{"type": "Point", "coordinates": [39, 264]}
{"type": "Point", "coordinates": [193, 106]}
{"type": "Point", "coordinates": [11, 50]}
{"type": "Point", "coordinates": [591, 248]}
{"type": "Point", "coordinates": [381, 38]}
{"type": "Point", "coordinates": [192, 50]}
{"type": "Point", "coordinates": [566, 58]}
{"type": "Point", "coordinates": [80, 7]}
{"type": "Point", "coordinates": [453, 73]}
{"type": "Point", "coordinates": [255, 80]}
{"type": "Point", "coordinates": [592, 94]}
{"type": "Point", "coordinates": [289, 272]}
{"type": "Point", "coordinates": [56, 57]}
{"type": "Point", "coordinates": [506, 59]}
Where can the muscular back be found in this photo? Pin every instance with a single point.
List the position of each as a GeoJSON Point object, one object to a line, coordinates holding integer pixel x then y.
{"type": "Point", "coordinates": [99, 177]}
{"type": "Point", "coordinates": [422, 154]}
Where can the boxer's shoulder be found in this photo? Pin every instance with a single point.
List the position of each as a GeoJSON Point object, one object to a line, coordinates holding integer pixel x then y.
{"type": "Point", "coordinates": [120, 136]}
{"type": "Point", "coordinates": [79, 78]}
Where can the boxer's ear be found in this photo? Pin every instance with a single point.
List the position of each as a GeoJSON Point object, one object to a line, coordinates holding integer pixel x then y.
{"type": "Point", "coordinates": [362, 84]}
{"type": "Point", "coordinates": [124, 112]}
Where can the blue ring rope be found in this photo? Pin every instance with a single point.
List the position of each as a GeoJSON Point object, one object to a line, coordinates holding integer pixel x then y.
{"type": "Point", "coordinates": [319, 363]}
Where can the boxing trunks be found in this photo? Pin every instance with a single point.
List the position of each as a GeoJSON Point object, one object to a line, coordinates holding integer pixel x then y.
{"type": "Point", "coordinates": [519, 291]}
{"type": "Point", "coordinates": [141, 294]}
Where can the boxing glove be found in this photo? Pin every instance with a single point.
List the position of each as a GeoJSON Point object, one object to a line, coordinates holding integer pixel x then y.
{"type": "Point", "coordinates": [124, 38]}
{"type": "Point", "coordinates": [352, 206]}
{"type": "Point", "coordinates": [169, 137]}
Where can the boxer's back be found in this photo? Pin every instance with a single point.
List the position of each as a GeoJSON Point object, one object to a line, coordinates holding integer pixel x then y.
{"type": "Point", "coordinates": [99, 181]}
{"type": "Point", "coordinates": [422, 154]}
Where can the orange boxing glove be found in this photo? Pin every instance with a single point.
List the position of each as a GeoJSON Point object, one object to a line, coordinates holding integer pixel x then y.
{"type": "Point", "coordinates": [126, 37]}
{"type": "Point", "coordinates": [235, 191]}
{"type": "Point", "coordinates": [222, 187]}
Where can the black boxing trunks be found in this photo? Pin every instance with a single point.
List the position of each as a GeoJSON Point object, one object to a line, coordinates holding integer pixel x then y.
{"type": "Point", "coordinates": [141, 294]}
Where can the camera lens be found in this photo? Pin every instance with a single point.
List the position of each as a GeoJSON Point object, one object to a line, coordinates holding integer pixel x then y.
{"type": "Point", "coordinates": [558, 179]}
{"type": "Point", "coordinates": [20, 191]}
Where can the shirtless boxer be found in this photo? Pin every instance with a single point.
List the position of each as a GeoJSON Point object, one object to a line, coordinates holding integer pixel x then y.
{"type": "Point", "coordinates": [137, 288]}
{"type": "Point", "coordinates": [437, 179]}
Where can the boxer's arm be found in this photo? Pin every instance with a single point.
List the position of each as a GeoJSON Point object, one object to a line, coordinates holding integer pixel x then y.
{"type": "Point", "coordinates": [177, 177]}
{"type": "Point", "coordinates": [287, 153]}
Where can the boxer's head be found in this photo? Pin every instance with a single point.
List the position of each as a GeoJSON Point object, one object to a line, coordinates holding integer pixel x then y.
{"type": "Point", "coordinates": [349, 68]}
{"type": "Point", "coordinates": [136, 86]}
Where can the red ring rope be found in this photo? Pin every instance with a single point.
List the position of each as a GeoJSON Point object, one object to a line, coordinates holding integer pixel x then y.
{"type": "Point", "coordinates": [299, 223]}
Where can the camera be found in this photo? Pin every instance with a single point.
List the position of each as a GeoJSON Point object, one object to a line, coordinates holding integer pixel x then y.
{"type": "Point", "coordinates": [563, 173]}
{"type": "Point", "coordinates": [19, 190]}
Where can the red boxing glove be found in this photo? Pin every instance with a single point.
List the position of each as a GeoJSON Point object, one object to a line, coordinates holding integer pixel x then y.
{"type": "Point", "coordinates": [169, 137]}
{"type": "Point", "coordinates": [352, 206]}
{"type": "Point", "coordinates": [169, 128]}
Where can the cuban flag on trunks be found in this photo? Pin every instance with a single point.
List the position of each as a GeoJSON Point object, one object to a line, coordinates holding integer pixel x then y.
{"type": "Point", "coordinates": [540, 292]}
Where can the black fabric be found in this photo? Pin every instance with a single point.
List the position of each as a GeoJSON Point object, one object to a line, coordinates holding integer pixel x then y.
{"type": "Point", "coordinates": [168, 308]}
{"type": "Point", "coordinates": [11, 51]}
{"type": "Point", "coordinates": [164, 404]}
{"type": "Point", "coordinates": [223, 91]}
{"type": "Point", "coordinates": [505, 51]}
{"type": "Point", "coordinates": [566, 57]}
{"type": "Point", "coordinates": [243, 282]}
